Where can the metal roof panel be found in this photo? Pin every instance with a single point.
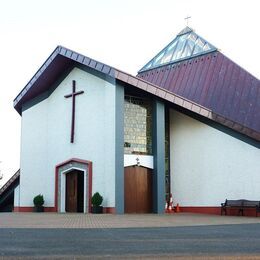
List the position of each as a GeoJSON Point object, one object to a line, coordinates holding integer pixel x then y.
{"type": "Point", "coordinates": [215, 82]}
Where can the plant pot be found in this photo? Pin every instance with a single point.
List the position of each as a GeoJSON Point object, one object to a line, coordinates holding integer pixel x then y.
{"type": "Point", "coordinates": [38, 209]}
{"type": "Point", "coordinates": [97, 209]}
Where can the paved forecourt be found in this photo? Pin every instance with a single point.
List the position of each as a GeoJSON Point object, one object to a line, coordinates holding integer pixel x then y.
{"type": "Point", "coordinates": [149, 236]}
{"type": "Point", "coordinates": [55, 220]}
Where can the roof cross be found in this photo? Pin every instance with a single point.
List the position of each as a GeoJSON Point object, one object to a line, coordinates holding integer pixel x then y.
{"type": "Point", "coordinates": [187, 19]}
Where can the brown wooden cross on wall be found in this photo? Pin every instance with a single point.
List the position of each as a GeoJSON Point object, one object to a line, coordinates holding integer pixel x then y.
{"type": "Point", "coordinates": [73, 95]}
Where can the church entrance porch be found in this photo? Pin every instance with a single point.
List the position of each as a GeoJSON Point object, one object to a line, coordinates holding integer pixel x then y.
{"type": "Point", "coordinates": [138, 189]}
{"type": "Point", "coordinates": [74, 191]}
{"type": "Point", "coordinates": [73, 186]}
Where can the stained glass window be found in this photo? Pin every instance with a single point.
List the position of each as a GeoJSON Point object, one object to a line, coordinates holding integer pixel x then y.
{"type": "Point", "coordinates": [137, 125]}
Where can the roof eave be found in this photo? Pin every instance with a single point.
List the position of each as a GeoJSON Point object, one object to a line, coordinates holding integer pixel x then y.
{"type": "Point", "coordinates": [155, 90]}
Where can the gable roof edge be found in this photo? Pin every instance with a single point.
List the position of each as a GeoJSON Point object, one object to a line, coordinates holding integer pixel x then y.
{"type": "Point", "coordinates": [136, 82]}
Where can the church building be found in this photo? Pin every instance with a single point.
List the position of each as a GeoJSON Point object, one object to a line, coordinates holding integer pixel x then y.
{"type": "Point", "coordinates": [188, 125]}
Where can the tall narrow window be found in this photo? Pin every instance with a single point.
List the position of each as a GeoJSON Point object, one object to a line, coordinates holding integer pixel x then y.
{"type": "Point", "coordinates": [137, 125]}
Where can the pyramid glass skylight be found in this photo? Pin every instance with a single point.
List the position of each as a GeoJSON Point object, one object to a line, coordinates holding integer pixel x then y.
{"type": "Point", "coordinates": [186, 45]}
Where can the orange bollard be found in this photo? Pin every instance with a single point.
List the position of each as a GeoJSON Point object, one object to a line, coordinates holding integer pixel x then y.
{"type": "Point", "coordinates": [177, 210]}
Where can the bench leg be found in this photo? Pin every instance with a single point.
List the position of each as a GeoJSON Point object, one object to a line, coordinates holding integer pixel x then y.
{"type": "Point", "coordinates": [241, 211]}
{"type": "Point", "coordinates": [223, 210]}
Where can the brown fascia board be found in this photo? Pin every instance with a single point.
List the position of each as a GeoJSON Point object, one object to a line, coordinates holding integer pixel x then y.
{"type": "Point", "coordinates": [162, 93]}
{"type": "Point", "coordinates": [136, 82]}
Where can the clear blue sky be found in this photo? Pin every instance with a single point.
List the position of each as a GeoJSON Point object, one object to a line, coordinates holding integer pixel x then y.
{"type": "Point", "coordinates": [124, 34]}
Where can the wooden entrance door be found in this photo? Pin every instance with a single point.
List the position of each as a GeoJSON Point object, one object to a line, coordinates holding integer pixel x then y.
{"type": "Point", "coordinates": [138, 190]}
{"type": "Point", "coordinates": [75, 191]}
{"type": "Point", "coordinates": [71, 191]}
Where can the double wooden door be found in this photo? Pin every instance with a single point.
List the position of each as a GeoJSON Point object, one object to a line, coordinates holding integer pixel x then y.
{"type": "Point", "coordinates": [138, 189]}
{"type": "Point", "coordinates": [74, 191]}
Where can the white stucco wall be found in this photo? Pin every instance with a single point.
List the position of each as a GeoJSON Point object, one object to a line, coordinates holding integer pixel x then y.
{"type": "Point", "coordinates": [209, 166]}
{"type": "Point", "coordinates": [46, 131]}
{"type": "Point", "coordinates": [17, 196]}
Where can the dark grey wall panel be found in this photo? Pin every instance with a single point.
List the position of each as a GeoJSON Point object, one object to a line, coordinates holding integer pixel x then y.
{"type": "Point", "coordinates": [159, 157]}
{"type": "Point", "coordinates": [119, 149]}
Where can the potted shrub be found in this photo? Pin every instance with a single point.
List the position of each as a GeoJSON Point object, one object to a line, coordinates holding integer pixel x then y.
{"type": "Point", "coordinates": [38, 202]}
{"type": "Point", "coordinates": [96, 201]}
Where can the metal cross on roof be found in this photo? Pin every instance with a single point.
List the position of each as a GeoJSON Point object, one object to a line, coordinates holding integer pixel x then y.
{"type": "Point", "coordinates": [187, 19]}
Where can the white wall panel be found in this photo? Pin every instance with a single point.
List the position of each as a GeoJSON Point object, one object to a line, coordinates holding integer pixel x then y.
{"type": "Point", "coordinates": [46, 131]}
{"type": "Point", "coordinates": [208, 166]}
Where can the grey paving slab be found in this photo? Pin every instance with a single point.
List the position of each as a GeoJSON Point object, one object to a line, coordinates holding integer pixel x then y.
{"type": "Point", "coordinates": [54, 220]}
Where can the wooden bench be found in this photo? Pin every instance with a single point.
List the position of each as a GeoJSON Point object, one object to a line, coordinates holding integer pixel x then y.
{"type": "Point", "coordinates": [241, 205]}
